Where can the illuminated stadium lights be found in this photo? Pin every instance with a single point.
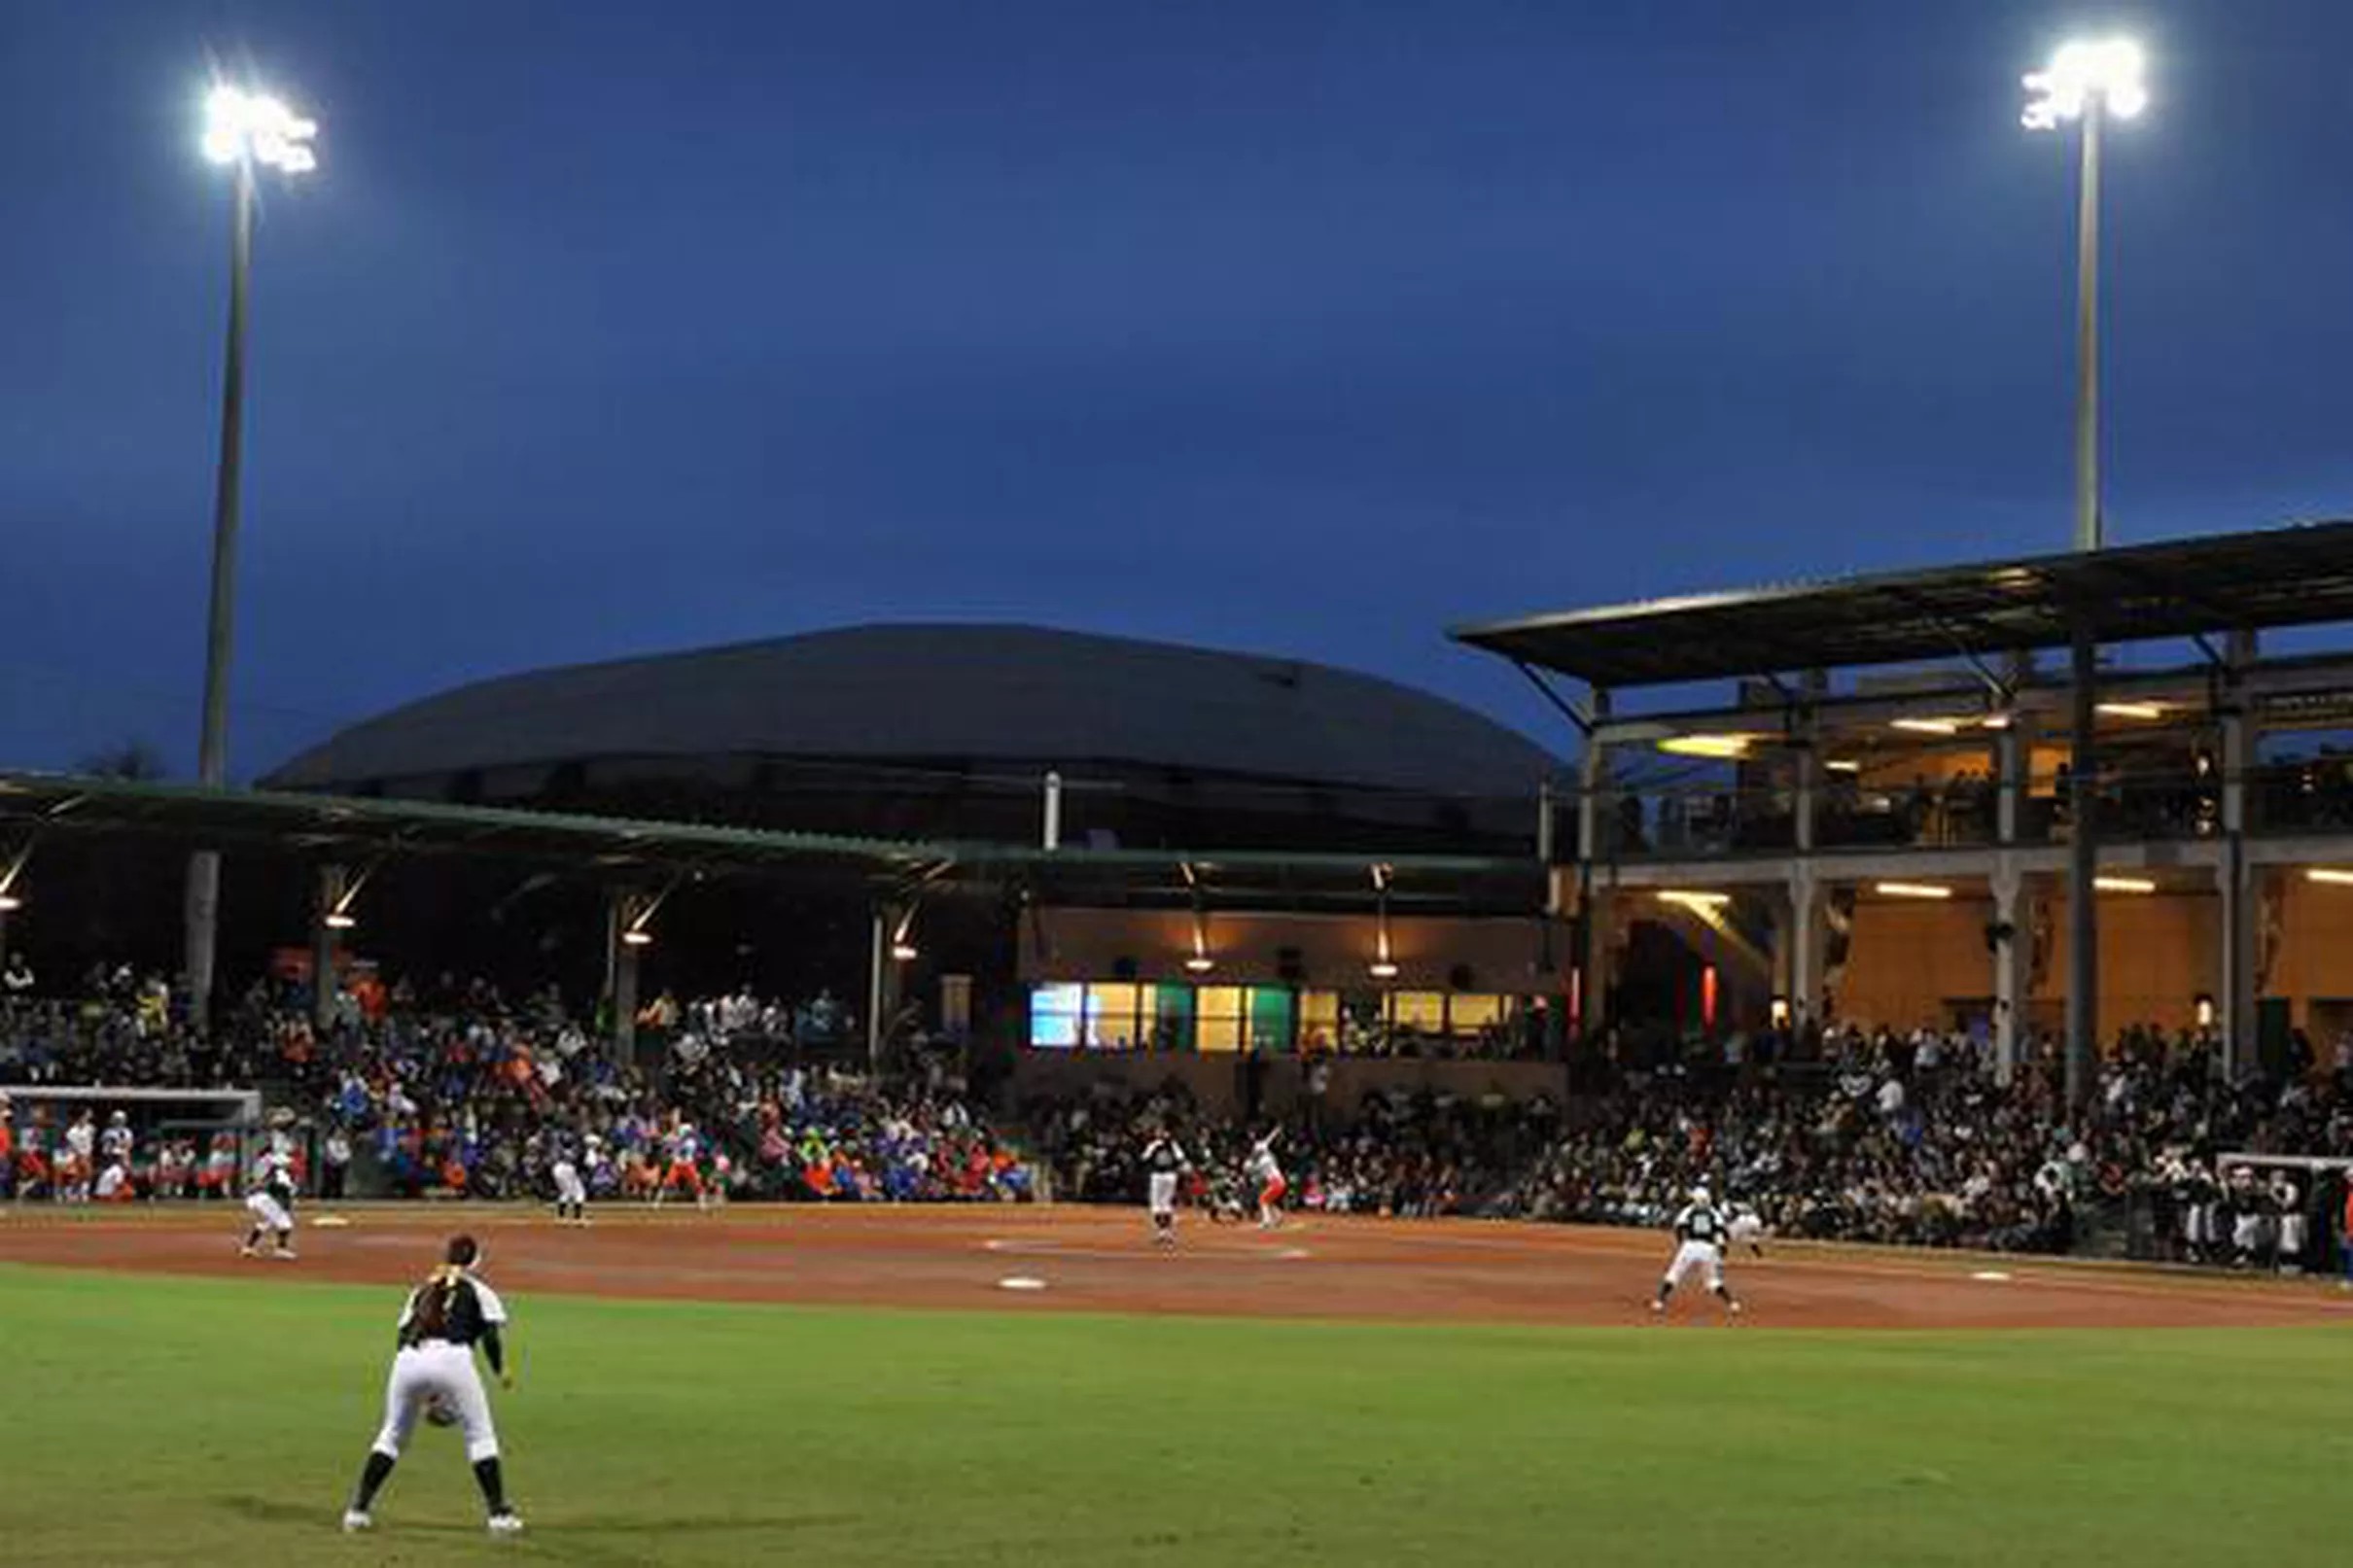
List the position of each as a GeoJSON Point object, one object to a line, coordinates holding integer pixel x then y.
{"type": "Point", "coordinates": [1701, 904]}
{"type": "Point", "coordinates": [1199, 963]}
{"type": "Point", "coordinates": [1996, 721]}
{"type": "Point", "coordinates": [2132, 710]}
{"type": "Point", "coordinates": [1840, 764]}
{"type": "Point", "coordinates": [2330, 875]}
{"type": "Point", "coordinates": [1928, 726]}
{"type": "Point", "coordinates": [1911, 890]}
{"type": "Point", "coordinates": [2125, 885]}
{"type": "Point", "coordinates": [2083, 76]}
{"type": "Point", "coordinates": [258, 129]}
{"type": "Point", "coordinates": [10, 903]}
{"type": "Point", "coordinates": [241, 131]}
{"type": "Point", "coordinates": [1384, 963]}
{"type": "Point", "coordinates": [1723, 748]}
{"type": "Point", "coordinates": [637, 938]}
{"type": "Point", "coordinates": [902, 937]}
{"type": "Point", "coordinates": [337, 921]}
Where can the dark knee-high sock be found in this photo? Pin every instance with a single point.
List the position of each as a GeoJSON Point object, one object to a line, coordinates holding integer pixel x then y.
{"type": "Point", "coordinates": [494, 1486]}
{"type": "Point", "coordinates": [372, 1475]}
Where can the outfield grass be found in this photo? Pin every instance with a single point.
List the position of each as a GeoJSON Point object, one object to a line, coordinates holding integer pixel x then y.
{"type": "Point", "coordinates": [152, 1420]}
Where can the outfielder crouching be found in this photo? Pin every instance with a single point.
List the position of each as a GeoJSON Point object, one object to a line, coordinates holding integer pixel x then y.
{"type": "Point", "coordinates": [434, 1375]}
{"type": "Point", "coordinates": [1700, 1231]}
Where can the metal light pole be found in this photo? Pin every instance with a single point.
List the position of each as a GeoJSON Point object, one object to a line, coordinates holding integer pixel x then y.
{"type": "Point", "coordinates": [2087, 82]}
{"type": "Point", "coordinates": [240, 130]}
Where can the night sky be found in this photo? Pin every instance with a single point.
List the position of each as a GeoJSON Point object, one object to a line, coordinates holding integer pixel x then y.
{"type": "Point", "coordinates": [1299, 328]}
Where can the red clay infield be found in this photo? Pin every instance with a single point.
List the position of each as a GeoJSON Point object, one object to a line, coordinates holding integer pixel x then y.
{"type": "Point", "coordinates": [1102, 1260]}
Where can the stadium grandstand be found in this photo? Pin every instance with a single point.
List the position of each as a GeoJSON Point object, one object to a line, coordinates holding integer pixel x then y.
{"type": "Point", "coordinates": [1925, 803]}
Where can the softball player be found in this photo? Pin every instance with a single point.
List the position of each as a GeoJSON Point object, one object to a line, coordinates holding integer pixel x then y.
{"type": "Point", "coordinates": [571, 1193]}
{"type": "Point", "coordinates": [433, 1376]}
{"type": "Point", "coordinates": [1267, 1173]}
{"type": "Point", "coordinates": [1745, 1229]}
{"type": "Point", "coordinates": [1699, 1231]}
{"type": "Point", "coordinates": [115, 1144]}
{"type": "Point", "coordinates": [271, 1203]}
{"type": "Point", "coordinates": [1164, 1164]}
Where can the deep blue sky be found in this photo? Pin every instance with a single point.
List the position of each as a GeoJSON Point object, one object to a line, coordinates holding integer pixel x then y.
{"type": "Point", "coordinates": [1303, 327]}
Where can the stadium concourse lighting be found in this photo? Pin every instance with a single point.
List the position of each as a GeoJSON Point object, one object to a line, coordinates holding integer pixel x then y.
{"type": "Point", "coordinates": [1722, 747]}
{"type": "Point", "coordinates": [637, 938]}
{"type": "Point", "coordinates": [1912, 889]}
{"type": "Point", "coordinates": [242, 129]}
{"type": "Point", "coordinates": [337, 921]}
{"type": "Point", "coordinates": [1699, 903]}
{"type": "Point", "coordinates": [1199, 963]}
{"type": "Point", "coordinates": [2330, 875]}
{"type": "Point", "coordinates": [10, 903]}
{"type": "Point", "coordinates": [2125, 885]}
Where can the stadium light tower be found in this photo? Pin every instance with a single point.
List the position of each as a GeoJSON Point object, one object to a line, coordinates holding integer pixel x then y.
{"type": "Point", "coordinates": [2085, 81]}
{"type": "Point", "coordinates": [241, 131]}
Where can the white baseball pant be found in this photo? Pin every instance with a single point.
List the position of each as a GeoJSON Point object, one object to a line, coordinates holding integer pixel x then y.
{"type": "Point", "coordinates": [424, 1371]}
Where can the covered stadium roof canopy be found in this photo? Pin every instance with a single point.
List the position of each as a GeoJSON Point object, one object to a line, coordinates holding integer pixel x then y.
{"type": "Point", "coordinates": [331, 828]}
{"type": "Point", "coordinates": [2273, 578]}
{"type": "Point", "coordinates": [949, 696]}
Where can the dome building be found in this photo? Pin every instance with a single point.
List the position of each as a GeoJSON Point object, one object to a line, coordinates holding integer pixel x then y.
{"type": "Point", "coordinates": [947, 732]}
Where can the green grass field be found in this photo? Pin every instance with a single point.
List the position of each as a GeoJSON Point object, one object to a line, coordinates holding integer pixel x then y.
{"type": "Point", "coordinates": [152, 1421]}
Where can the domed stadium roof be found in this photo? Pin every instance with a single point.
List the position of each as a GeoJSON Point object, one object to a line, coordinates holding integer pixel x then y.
{"type": "Point", "coordinates": [953, 693]}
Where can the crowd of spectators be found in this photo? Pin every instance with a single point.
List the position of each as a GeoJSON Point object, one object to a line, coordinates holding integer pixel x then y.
{"type": "Point", "coordinates": [1411, 1154]}
{"type": "Point", "coordinates": [1868, 1136]}
{"type": "Point", "coordinates": [452, 1090]}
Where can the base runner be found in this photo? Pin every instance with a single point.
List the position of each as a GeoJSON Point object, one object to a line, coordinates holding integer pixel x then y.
{"type": "Point", "coordinates": [433, 1376]}
{"type": "Point", "coordinates": [1699, 1231]}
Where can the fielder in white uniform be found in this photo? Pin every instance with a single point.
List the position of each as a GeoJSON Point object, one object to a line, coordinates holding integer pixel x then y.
{"type": "Point", "coordinates": [271, 1203]}
{"type": "Point", "coordinates": [571, 1193]}
{"type": "Point", "coordinates": [1165, 1164]}
{"type": "Point", "coordinates": [1700, 1231]}
{"type": "Point", "coordinates": [1745, 1229]}
{"type": "Point", "coordinates": [433, 1376]}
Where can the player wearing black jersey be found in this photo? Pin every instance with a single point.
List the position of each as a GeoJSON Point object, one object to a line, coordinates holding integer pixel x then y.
{"type": "Point", "coordinates": [1164, 1164]}
{"type": "Point", "coordinates": [1700, 1229]}
{"type": "Point", "coordinates": [433, 1374]}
